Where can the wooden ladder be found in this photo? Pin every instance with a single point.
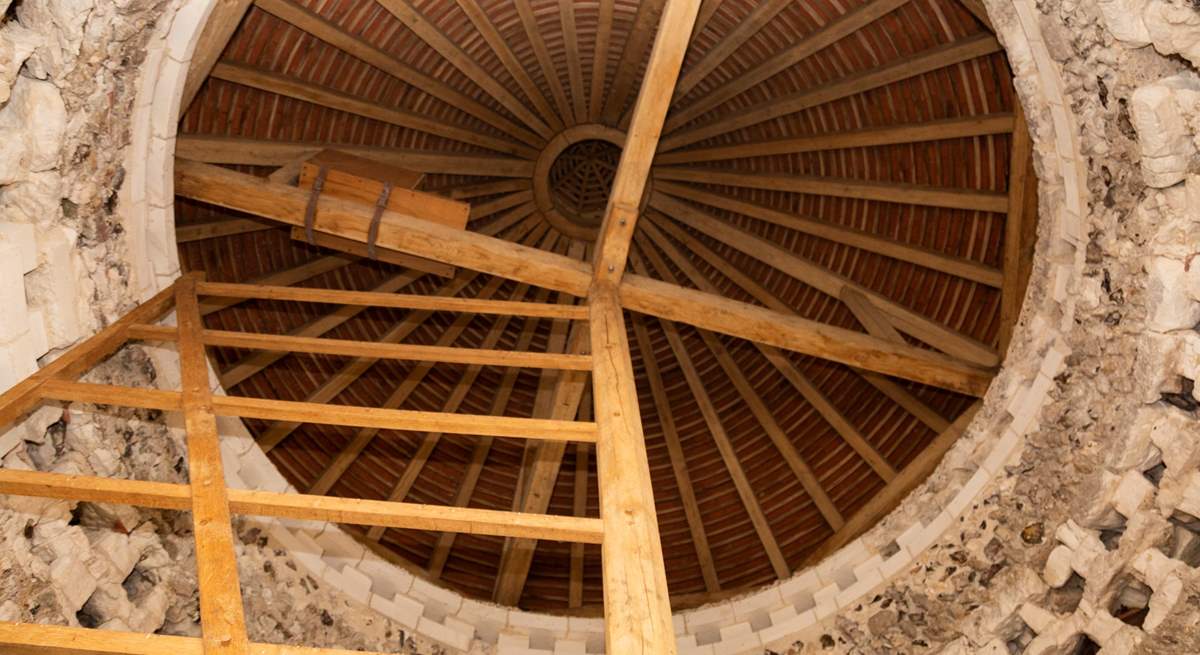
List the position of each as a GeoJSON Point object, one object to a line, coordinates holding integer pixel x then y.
{"type": "Point", "coordinates": [637, 610]}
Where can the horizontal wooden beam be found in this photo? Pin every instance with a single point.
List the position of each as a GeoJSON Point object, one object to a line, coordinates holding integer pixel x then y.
{"type": "Point", "coordinates": [842, 187]}
{"type": "Point", "coordinates": [950, 128]}
{"type": "Point", "coordinates": [214, 229]}
{"type": "Point", "coordinates": [261, 152]}
{"type": "Point", "coordinates": [407, 516]}
{"type": "Point", "coordinates": [392, 300]}
{"type": "Point", "coordinates": [350, 348]}
{"type": "Point", "coordinates": [354, 416]}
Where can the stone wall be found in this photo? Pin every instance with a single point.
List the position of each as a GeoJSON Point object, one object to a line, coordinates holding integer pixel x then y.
{"type": "Point", "coordinates": [1067, 513]}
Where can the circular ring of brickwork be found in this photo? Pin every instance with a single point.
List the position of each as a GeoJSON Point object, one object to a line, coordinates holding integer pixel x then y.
{"type": "Point", "coordinates": [553, 170]}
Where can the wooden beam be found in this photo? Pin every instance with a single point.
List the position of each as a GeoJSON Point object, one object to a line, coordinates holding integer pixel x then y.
{"type": "Point", "coordinates": [637, 607]}
{"type": "Point", "coordinates": [979, 11]}
{"type": "Point", "coordinates": [762, 14]}
{"type": "Point", "coordinates": [407, 516]}
{"type": "Point", "coordinates": [497, 205]}
{"type": "Point", "coordinates": [293, 275]}
{"type": "Point", "coordinates": [629, 183]}
{"type": "Point", "coordinates": [252, 363]}
{"type": "Point", "coordinates": [843, 187]}
{"type": "Point", "coordinates": [683, 480]}
{"type": "Point", "coordinates": [806, 46]}
{"type": "Point", "coordinates": [222, 618]}
{"type": "Point", "coordinates": [342, 40]}
{"type": "Point", "coordinates": [437, 303]}
{"type": "Point", "coordinates": [533, 266]}
{"type": "Point", "coordinates": [499, 46]}
{"type": "Point", "coordinates": [579, 505]}
{"type": "Point", "coordinates": [829, 282]}
{"type": "Point", "coordinates": [222, 22]}
{"type": "Point", "coordinates": [385, 255]}
{"type": "Point", "coordinates": [425, 29]}
{"type": "Point", "coordinates": [261, 152]}
{"type": "Point", "coordinates": [870, 242]}
{"type": "Point", "coordinates": [215, 229]}
{"type": "Point", "coordinates": [637, 39]}
{"type": "Point", "coordinates": [1019, 173]}
{"type": "Point", "coordinates": [940, 130]}
{"type": "Point", "coordinates": [918, 470]}
{"type": "Point", "coordinates": [708, 8]}
{"type": "Point", "coordinates": [351, 348]}
{"type": "Point", "coordinates": [397, 231]}
{"type": "Point", "coordinates": [768, 299]}
{"type": "Point", "coordinates": [312, 93]}
{"type": "Point", "coordinates": [566, 14]}
{"type": "Point", "coordinates": [725, 447]}
{"type": "Point", "coordinates": [927, 61]}
{"type": "Point", "coordinates": [533, 32]}
{"type": "Point", "coordinates": [25, 395]}
{"type": "Point", "coordinates": [604, 23]}
{"type": "Point", "coordinates": [487, 188]}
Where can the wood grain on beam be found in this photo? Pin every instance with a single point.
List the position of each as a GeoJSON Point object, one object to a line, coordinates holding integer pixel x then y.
{"type": "Point", "coordinates": [939, 130]}
{"type": "Point", "coordinates": [923, 62]}
{"type": "Point", "coordinates": [215, 229]}
{"type": "Point", "coordinates": [260, 152]}
{"type": "Point", "coordinates": [1022, 204]}
{"type": "Point", "coordinates": [629, 182]}
{"type": "Point", "coordinates": [748, 27]}
{"type": "Point", "coordinates": [636, 41]}
{"type": "Point", "coordinates": [335, 36]}
{"type": "Point", "coordinates": [325, 97]}
{"type": "Point", "coordinates": [222, 617]}
{"type": "Point", "coordinates": [222, 22]}
{"type": "Point", "coordinates": [637, 607]}
{"type": "Point", "coordinates": [291, 275]}
{"type": "Point", "coordinates": [843, 187]}
{"type": "Point", "coordinates": [566, 12]}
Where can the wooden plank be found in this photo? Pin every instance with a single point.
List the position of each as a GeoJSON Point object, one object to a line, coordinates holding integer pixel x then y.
{"type": "Point", "coordinates": [654, 98]}
{"type": "Point", "coordinates": [351, 348]}
{"type": "Point", "coordinates": [637, 39]}
{"type": "Point", "coordinates": [683, 480]}
{"type": "Point", "coordinates": [335, 36]}
{"type": "Point", "coordinates": [496, 205]}
{"type": "Point", "coordinates": [918, 470]}
{"type": "Point", "coordinates": [504, 53]}
{"type": "Point", "coordinates": [870, 242]}
{"type": "Point", "coordinates": [108, 394]}
{"type": "Point", "coordinates": [579, 508]}
{"type": "Point", "coordinates": [288, 276]}
{"type": "Point", "coordinates": [261, 152]}
{"type": "Point", "coordinates": [637, 607]}
{"type": "Point", "coordinates": [488, 188]}
{"type": "Point", "coordinates": [939, 130]}
{"type": "Point", "coordinates": [604, 23]}
{"type": "Point", "coordinates": [222, 618]}
{"type": "Point", "coordinates": [830, 283]}
{"type": "Point", "coordinates": [214, 229]}
{"type": "Point", "coordinates": [923, 62]}
{"type": "Point", "coordinates": [325, 97]}
{"type": "Point", "coordinates": [364, 171]}
{"type": "Point", "coordinates": [407, 516]}
{"type": "Point", "coordinates": [404, 419]}
{"type": "Point", "coordinates": [1019, 171]}
{"type": "Point", "coordinates": [425, 29]}
{"type": "Point", "coordinates": [398, 231]}
{"type": "Point", "coordinates": [841, 187]}
{"type": "Point", "coordinates": [386, 255]}
{"type": "Point", "coordinates": [394, 300]}
{"type": "Point", "coordinates": [762, 14]}
{"type": "Point", "coordinates": [805, 46]}
{"type": "Point", "coordinates": [354, 187]}
{"type": "Point", "coordinates": [252, 363]}
{"type": "Point", "coordinates": [24, 395]}
{"type": "Point", "coordinates": [222, 22]}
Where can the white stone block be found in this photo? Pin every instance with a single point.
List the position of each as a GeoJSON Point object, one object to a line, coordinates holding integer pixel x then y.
{"type": "Point", "coordinates": [1163, 135]}
{"type": "Point", "coordinates": [14, 313]}
{"type": "Point", "coordinates": [738, 638]}
{"type": "Point", "coordinates": [429, 593]}
{"type": "Point", "coordinates": [339, 549]}
{"type": "Point", "coordinates": [73, 581]}
{"type": "Point", "coordinates": [55, 287]}
{"type": "Point", "coordinates": [20, 236]}
{"type": "Point", "coordinates": [568, 647]}
{"type": "Point", "coordinates": [718, 614]}
{"type": "Point", "coordinates": [401, 609]}
{"type": "Point", "coordinates": [759, 603]}
{"type": "Point", "coordinates": [780, 635]}
{"type": "Point", "coordinates": [530, 621]}
{"type": "Point", "coordinates": [443, 633]}
{"type": "Point", "coordinates": [1124, 20]}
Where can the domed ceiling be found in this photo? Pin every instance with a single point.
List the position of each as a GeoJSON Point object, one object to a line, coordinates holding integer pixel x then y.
{"type": "Point", "coordinates": [816, 154]}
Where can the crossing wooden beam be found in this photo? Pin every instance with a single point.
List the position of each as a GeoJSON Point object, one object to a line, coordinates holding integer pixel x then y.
{"type": "Point", "coordinates": [222, 22]}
